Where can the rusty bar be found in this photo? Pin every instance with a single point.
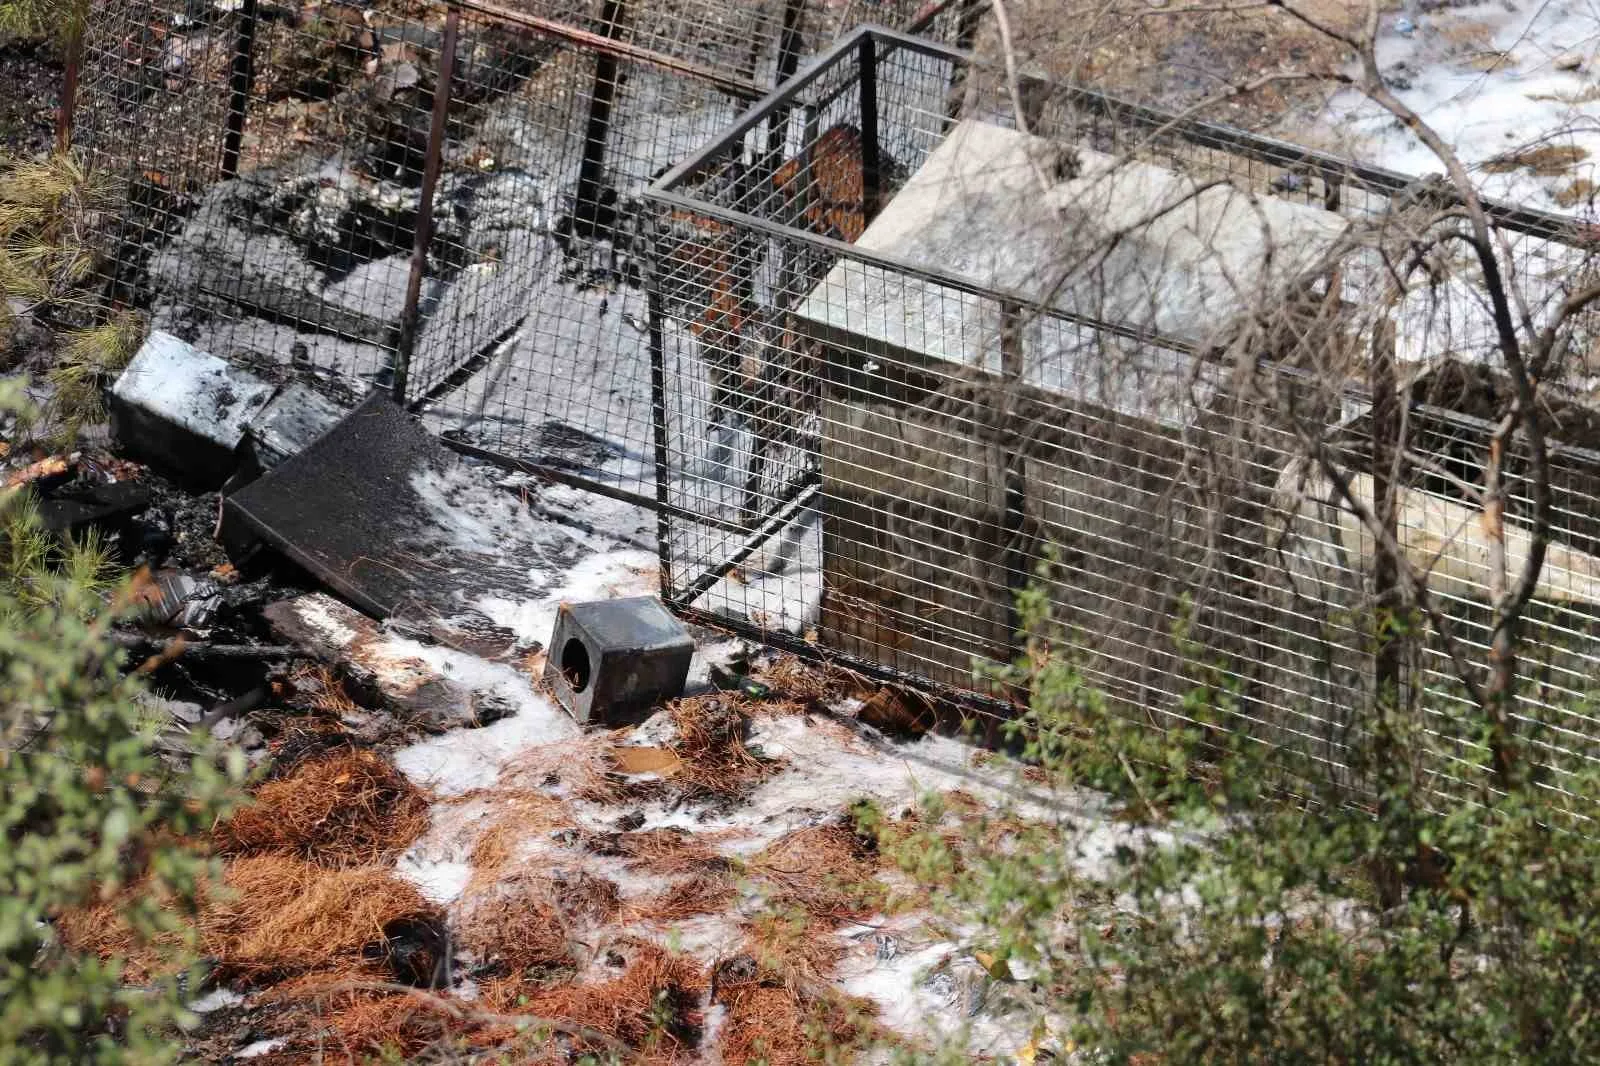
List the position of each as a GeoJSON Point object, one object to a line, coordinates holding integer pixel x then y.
{"type": "Point", "coordinates": [67, 109]}
{"type": "Point", "coordinates": [411, 315]}
{"type": "Point", "coordinates": [871, 151]}
{"type": "Point", "coordinates": [604, 45]}
{"type": "Point", "coordinates": [240, 84]}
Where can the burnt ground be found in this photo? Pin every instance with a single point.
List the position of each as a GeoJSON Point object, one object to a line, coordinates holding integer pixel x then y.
{"type": "Point", "coordinates": [30, 85]}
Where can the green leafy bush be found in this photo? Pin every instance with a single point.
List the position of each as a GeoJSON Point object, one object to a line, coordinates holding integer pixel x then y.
{"type": "Point", "coordinates": [1254, 914]}
{"type": "Point", "coordinates": [88, 811]}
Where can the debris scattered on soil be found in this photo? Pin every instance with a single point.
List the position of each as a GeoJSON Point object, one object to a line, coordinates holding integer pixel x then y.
{"type": "Point", "coordinates": [714, 763]}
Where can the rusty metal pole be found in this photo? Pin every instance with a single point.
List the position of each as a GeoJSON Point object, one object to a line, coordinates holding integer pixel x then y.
{"type": "Point", "coordinates": [410, 317]}
{"type": "Point", "coordinates": [241, 83]}
{"type": "Point", "coordinates": [67, 109]}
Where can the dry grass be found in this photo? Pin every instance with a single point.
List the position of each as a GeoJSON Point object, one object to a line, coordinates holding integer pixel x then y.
{"type": "Point", "coordinates": [776, 1017]}
{"type": "Point", "coordinates": [579, 769]}
{"type": "Point", "coordinates": [280, 916]}
{"type": "Point", "coordinates": [826, 871]}
{"type": "Point", "coordinates": [665, 852]}
{"type": "Point", "coordinates": [653, 1006]}
{"type": "Point", "coordinates": [271, 917]}
{"type": "Point", "coordinates": [518, 815]}
{"type": "Point", "coordinates": [98, 928]}
{"type": "Point", "coordinates": [323, 691]}
{"type": "Point", "coordinates": [528, 924]}
{"type": "Point", "coordinates": [327, 1020]}
{"type": "Point", "coordinates": [516, 929]}
{"type": "Point", "coordinates": [710, 744]}
{"type": "Point", "coordinates": [695, 895]}
{"type": "Point", "coordinates": [1579, 192]}
{"type": "Point", "coordinates": [349, 808]}
{"type": "Point", "coordinates": [810, 683]}
{"type": "Point", "coordinates": [1545, 160]}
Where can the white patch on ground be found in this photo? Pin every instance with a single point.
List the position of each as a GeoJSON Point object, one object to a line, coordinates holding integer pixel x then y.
{"type": "Point", "coordinates": [439, 882]}
{"type": "Point", "coordinates": [259, 1048]}
{"type": "Point", "coordinates": [708, 936]}
{"type": "Point", "coordinates": [1483, 114]}
{"type": "Point", "coordinates": [466, 759]}
{"type": "Point", "coordinates": [216, 999]}
{"type": "Point", "coordinates": [605, 576]}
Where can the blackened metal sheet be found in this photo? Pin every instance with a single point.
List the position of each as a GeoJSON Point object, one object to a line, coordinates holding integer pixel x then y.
{"type": "Point", "coordinates": [401, 527]}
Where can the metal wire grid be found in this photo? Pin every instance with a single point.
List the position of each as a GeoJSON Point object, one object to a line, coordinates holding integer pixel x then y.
{"type": "Point", "coordinates": [869, 456]}
{"type": "Point", "coordinates": [274, 163]}
{"type": "Point", "coordinates": [439, 198]}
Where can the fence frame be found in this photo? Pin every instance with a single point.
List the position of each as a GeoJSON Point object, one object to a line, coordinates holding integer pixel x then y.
{"type": "Point", "coordinates": [868, 43]}
{"type": "Point", "coordinates": [790, 24]}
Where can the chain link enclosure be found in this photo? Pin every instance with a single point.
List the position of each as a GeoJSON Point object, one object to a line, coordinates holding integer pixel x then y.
{"type": "Point", "coordinates": [438, 198]}
{"type": "Point", "coordinates": [904, 379]}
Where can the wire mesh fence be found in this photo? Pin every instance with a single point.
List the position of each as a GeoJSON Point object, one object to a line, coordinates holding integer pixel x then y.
{"type": "Point", "coordinates": [922, 360]}
{"type": "Point", "coordinates": [436, 198]}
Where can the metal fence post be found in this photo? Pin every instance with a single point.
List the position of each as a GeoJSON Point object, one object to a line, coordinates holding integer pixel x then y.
{"type": "Point", "coordinates": [588, 213]}
{"type": "Point", "coordinates": [66, 110]}
{"type": "Point", "coordinates": [240, 84]}
{"type": "Point", "coordinates": [658, 420]}
{"type": "Point", "coordinates": [871, 151]}
{"type": "Point", "coordinates": [410, 317]}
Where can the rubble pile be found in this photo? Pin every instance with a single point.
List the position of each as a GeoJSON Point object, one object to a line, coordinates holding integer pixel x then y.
{"type": "Point", "coordinates": [439, 848]}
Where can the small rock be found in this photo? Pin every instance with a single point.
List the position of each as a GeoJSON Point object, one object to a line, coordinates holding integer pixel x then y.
{"type": "Point", "coordinates": [1568, 61]}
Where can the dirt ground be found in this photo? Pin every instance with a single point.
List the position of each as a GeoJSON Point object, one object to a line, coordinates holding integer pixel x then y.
{"type": "Point", "coordinates": [30, 83]}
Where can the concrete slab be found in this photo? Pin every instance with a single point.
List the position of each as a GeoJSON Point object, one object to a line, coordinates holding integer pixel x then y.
{"type": "Point", "coordinates": [185, 410]}
{"type": "Point", "coordinates": [1120, 241]}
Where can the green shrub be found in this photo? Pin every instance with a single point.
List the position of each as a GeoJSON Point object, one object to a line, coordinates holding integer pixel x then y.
{"type": "Point", "coordinates": [1241, 921]}
{"type": "Point", "coordinates": [87, 810]}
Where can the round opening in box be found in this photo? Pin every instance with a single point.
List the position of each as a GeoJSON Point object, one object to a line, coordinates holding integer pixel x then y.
{"type": "Point", "coordinates": [575, 666]}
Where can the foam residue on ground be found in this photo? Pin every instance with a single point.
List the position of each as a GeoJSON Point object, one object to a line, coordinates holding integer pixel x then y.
{"type": "Point", "coordinates": [1498, 82]}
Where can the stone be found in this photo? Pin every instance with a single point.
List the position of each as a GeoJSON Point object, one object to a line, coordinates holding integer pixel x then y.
{"type": "Point", "coordinates": [612, 661]}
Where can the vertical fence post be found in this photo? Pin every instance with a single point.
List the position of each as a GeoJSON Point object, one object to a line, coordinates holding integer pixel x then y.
{"type": "Point", "coordinates": [589, 212]}
{"type": "Point", "coordinates": [791, 43]}
{"type": "Point", "coordinates": [871, 152]}
{"type": "Point", "coordinates": [1386, 429]}
{"type": "Point", "coordinates": [422, 238]}
{"type": "Point", "coordinates": [1014, 554]}
{"type": "Point", "coordinates": [240, 84]}
{"type": "Point", "coordinates": [67, 109]}
{"type": "Point", "coordinates": [658, 419]}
